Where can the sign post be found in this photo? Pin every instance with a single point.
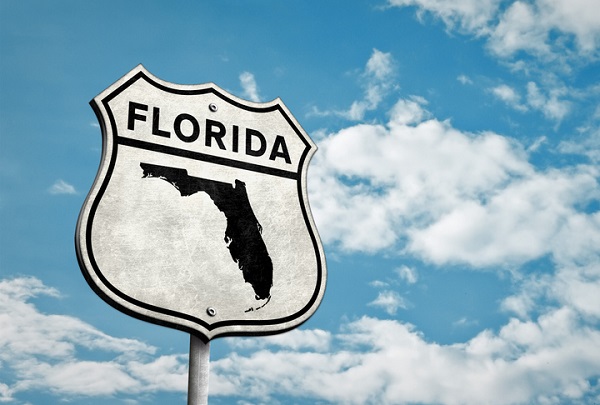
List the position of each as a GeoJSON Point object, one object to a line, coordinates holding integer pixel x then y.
{"type": "Point", "coordinates": [198, 371]}
{"type": "Point", "coordinates": [198, 218]}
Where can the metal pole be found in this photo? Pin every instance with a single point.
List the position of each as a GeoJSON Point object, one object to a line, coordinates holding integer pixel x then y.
{"type": "Point", "coordinates": [198, 371]}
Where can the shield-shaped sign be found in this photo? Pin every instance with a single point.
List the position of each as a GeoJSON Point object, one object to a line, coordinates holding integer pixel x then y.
{"type": "Point", "coordinates": [199, 218]}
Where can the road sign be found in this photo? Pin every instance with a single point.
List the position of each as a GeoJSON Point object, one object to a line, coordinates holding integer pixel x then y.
{"type": "Point", "coordinates": [199, 218]}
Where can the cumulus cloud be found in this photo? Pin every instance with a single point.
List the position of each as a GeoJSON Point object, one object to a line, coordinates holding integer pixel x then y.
{"type": "Point", "coordinates": [419, 186]}
{"type": "Point", "coordinates": [389, 362]}
{"type": "Point", "coordinates": [551, 358]}
{"type": "Point", "coordinates": [42, 352]}
{"type": "Point", "coordinates": [519, 28]}
{"type": "Point", "coordinates": [546, 41]}
{"type": "Point", "coordinates": [525, 26]}
{"type": "Point", "coordinates": [528, 217]}
{"type": "Point", "coordinates": [422, 186]}
{"type": "Point", "coordinates": [297, 339]}
{"type": "Point", "coordinates": [539, 27]}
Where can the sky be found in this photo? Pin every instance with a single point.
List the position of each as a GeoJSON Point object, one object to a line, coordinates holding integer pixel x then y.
{"type": "Point", "coordinates": [455, 190]}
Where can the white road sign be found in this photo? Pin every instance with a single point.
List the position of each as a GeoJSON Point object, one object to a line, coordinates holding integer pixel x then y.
{"type": "Point", "coordinates": [199, 218]}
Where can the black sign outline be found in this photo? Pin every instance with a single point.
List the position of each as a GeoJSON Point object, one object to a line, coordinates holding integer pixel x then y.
{"type": "Point", "coordinates": [118, 140]}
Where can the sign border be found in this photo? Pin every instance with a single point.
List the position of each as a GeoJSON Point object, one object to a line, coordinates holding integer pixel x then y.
{"type": "Point", "coordinates": [111, 141]}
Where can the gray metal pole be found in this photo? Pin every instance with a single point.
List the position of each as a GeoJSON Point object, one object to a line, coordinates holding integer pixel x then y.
{"type": "Point", "coordinates": [198, 371]}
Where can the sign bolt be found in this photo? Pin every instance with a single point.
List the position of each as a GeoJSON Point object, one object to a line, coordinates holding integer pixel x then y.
{"type": "Point", "coordinates": [211, 311]}
{"type": "Point", "coordinates": [213, 107]}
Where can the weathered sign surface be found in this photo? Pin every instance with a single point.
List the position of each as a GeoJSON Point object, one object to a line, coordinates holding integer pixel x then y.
{"type": "Point", "coordinates": [198, 218]}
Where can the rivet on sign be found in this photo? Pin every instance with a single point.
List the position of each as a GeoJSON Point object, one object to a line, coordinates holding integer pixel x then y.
{"type": "Point", "coordinates": [213, 107]}
{"type": "Point", "coordinates": [211, 311]}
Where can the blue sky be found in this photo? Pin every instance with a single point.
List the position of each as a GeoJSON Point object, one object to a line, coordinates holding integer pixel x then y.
{"type": "Point", "coordinates": [455, 190]}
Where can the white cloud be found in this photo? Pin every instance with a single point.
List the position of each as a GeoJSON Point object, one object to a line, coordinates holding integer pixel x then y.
{"type": "Point", "coordinates": [407, 274]}
{"type": "Point", "coordinates": [164, 373]}
{"type": "Point", "coordinates": [422, 186]}
{"type": "Point", "coordinates": [467, 15]}
{"type": "Point", "coordinates": [419, 186]}
{"type": "Point", "coordinates": [528, 218]}
{"type": "Point", "coordinates": [549, 105]}
{"type": "Point", "coordinates": [297, 339]}
{"type": "Point", "coordinates": [389, 301]}
{"type": "Point", "coordinates": [249, 86]}
{"type": "Point", "coordinates": [411, 111]}
{"type": "Point", "coordinates": [89, 378]}
{"type": "Point", "coordinates": [519, 28]}
{"type": "Point", "coordinates": [550, 359]}
{"type": "Point", "coordinates": [579, 287]}
{"type": "Point", "coordinates": [6, 393]}
{"type": "Point", "coordinates": [378, 81]}
{"type": "Point", "coordinates": [547, 41]}
{"type": "Point", "coordinates": [387, 362]}
{"type": "Point", "coordinates": [538, 27]}
{"type": "Point", "coordinates": [62, 187]}
{"type": "Point", "coordinates": [41, 352]}
{"type": "Point", "coordinates": [509, 96]}
{"type": "Point", "coordinates": [380, 66]}
{"type": "Point", "coordinates": [402, 176]}
{"type": "Point", "coordinates": [580, 18]}
{"type": "Point", "coordinates": [537, 143]}
{"type": "Point", "coordinates": [589, 146]}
